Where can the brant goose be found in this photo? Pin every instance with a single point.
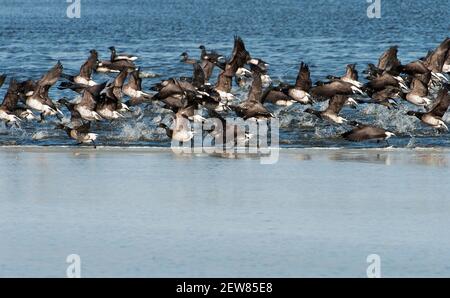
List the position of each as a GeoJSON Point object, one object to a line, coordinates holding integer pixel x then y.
{"type": "Point", "coordinates": [184, 57]}
{"type": "Point", "coordinates": [208, 67]}
{"type": "Point", "coordinates": [417, 70]}
{"type": "Point", "coordinates": [381, 82]}
{"type": "Point", "coordinates": [9, 103]}
{"type": "Point", "coordinates": [223, 86]}
{"type": "Point", "coordinates": [133, 89]}
{"type": "Point", "coordinates": [189, 113]}
{"type": "Point", "coordinates": [434, 117]}
{"type": "Point", "coordinates": [224, 133]}
{"type": "Point", "coordinates": [12, 103]}
{"type": "Point", "coordinates": [385, 97]}
{"type": "Point", "coordinates": [181, 132]}
{"type": "Point", "coordinates": [75, 117]}
{"type": "Point", "coordinates": [252, 107]}
{"type": "Point", "coordinates": [351, 76]}
{"type": "Point", "coordinates": [39, 99]}
{"type": "Point", "coordinates": [208, 56]}
{"type": "Point", "coordinates": [263, 66]}
{"type": "Point", "coordinates": [80, 134]}
{"type": "Point", "coordinates": [88, 103]}
{"type": "Point", "coordinates": [299, 92]}
{"type": "Point", "coordinates": [332, 112]}
{"type": "Point", "coordinates": [108, 107]}
{"type": "Point", "coordinates": [174, 92]}
{"type": "Point", "coordinates": [437, 58]}
{"type": "Point", "coordinates": [239, 58]}
{"type": "Point", "coordinates": [415, 67]}
{"type": "Point", "coordinates": [115, 66]}
{"type": "Point", "coordinates": [208, 61]}
{"type": "Point", "coordinates": [277, 96]}
{"type": "Point", "coordinates": [418, 94]}
{"type": "Point", "coordinates": [108, 104]}
{"type": "Point", "coordinates": [389, 61]}
{"type": "Point", "coordinates": [286, 95]}
{"type": "Point", "coordinates": [116, 57]}
{"type": "Point", "coordinates": [85, 75]}
{"type": "Point", "coordinates": [335, 87]}
{"type": "Point", "coordinates": [363, 132]}
{"type": "Point", "coordinates": [116, 85]}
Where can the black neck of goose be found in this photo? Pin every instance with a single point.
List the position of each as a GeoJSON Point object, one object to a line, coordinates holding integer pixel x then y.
{"type": "Point", "coordinates": [313, 112]}
{"type": "Point", "coordinates": [113, 55]}
{"type": "Point", "coordinates": [70, 106]}
{"type": "Point", "coordinates": [416, 114]}
{"type": "Point", "coordinates": [169, 132]}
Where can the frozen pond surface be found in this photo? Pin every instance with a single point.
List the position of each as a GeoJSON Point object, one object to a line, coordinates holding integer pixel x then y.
{"type": "Point", "coordinates": [150, 213]}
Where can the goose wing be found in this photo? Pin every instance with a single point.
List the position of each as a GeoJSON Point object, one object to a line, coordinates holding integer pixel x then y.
{"type": "Point", "coordinates": [351, 72]}
{"type": "Point", "coordinates": [239, 57]}
{"type": "Point", "coordinates": [96, 89]}
{"type": "Point", "coordinates": [336, 103]}
{"type": "Point", "coordinates": [224, 82]}
{"type": "Point", "coordinates": [86, 70]}
{"type": "Point", "coordinates": [120, 79]}
{"type": "Point", "coordinates": [11, 97]}
{"type": "Point", "coordinates": [388, 60]}
{"type": "Point", "coordinates": [273, 95]}
{"type": "Point", "coordinates": [52, 76]}
{"type": "Point", "coordinates": [416, 67]}
{"type": "Point", "coordinates": [2, 79]}
{"type": "Point", "coordinates": [304, 78]}
{"type": "Point", "coordinates": [363, 133]}
{"type": "Point", "coordinates": [85, 128]}
{"type": "Point", "coordinates": [441, 107]}
{"type": "Point", "coordinates": [255, 93]}
{"type": "Point", "coordinates": [199, 78]}
{"type": "Point", "coordinates": [437, 59]}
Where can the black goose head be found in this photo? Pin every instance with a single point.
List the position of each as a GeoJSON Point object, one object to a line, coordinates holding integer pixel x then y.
{"type": "Point", "coordinates": [355, 123]}
{"type": "Point", "coordinates": [169, 131]}
{"type": "Point", "coordinates": [63, 101]}
{"type": "Point", "coordinates": [413, 113]}
{"type": "Point", "coordinates": [184, 56]}
{"type": "Point", "coordinates": [312, 112]}
{"type": "Point", "coordinates": [63, 127]}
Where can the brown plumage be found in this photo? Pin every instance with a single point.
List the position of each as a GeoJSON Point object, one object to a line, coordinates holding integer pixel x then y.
{"type": "Point", "coordinates": [252, 107]}
{"type": "Point", "coordinates": [366, 132]}
{"type": "Point", "coordinates": [336, 87]}
{"type": "Point", "coordinates": [383, 81]}
{"type": "Point", "coordinates": [434, 117]}
{"type": "Point", "coordinates": [389, 61]}
{"type": "Point", "coordinates": [2, 79]}
{"type": "Point", "coordinates": [331, 113]}
{"type": "Point", "coordinates": [437, 59]}
{"type": "Point", "coordinates": [239, 57]}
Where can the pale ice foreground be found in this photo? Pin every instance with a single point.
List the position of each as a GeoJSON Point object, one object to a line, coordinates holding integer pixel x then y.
{"type": "Point", "coordinates": [150, 213]}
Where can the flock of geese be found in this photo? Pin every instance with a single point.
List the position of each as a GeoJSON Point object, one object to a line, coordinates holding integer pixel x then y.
{"type": "Point", "coordinates": [423, 83]}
